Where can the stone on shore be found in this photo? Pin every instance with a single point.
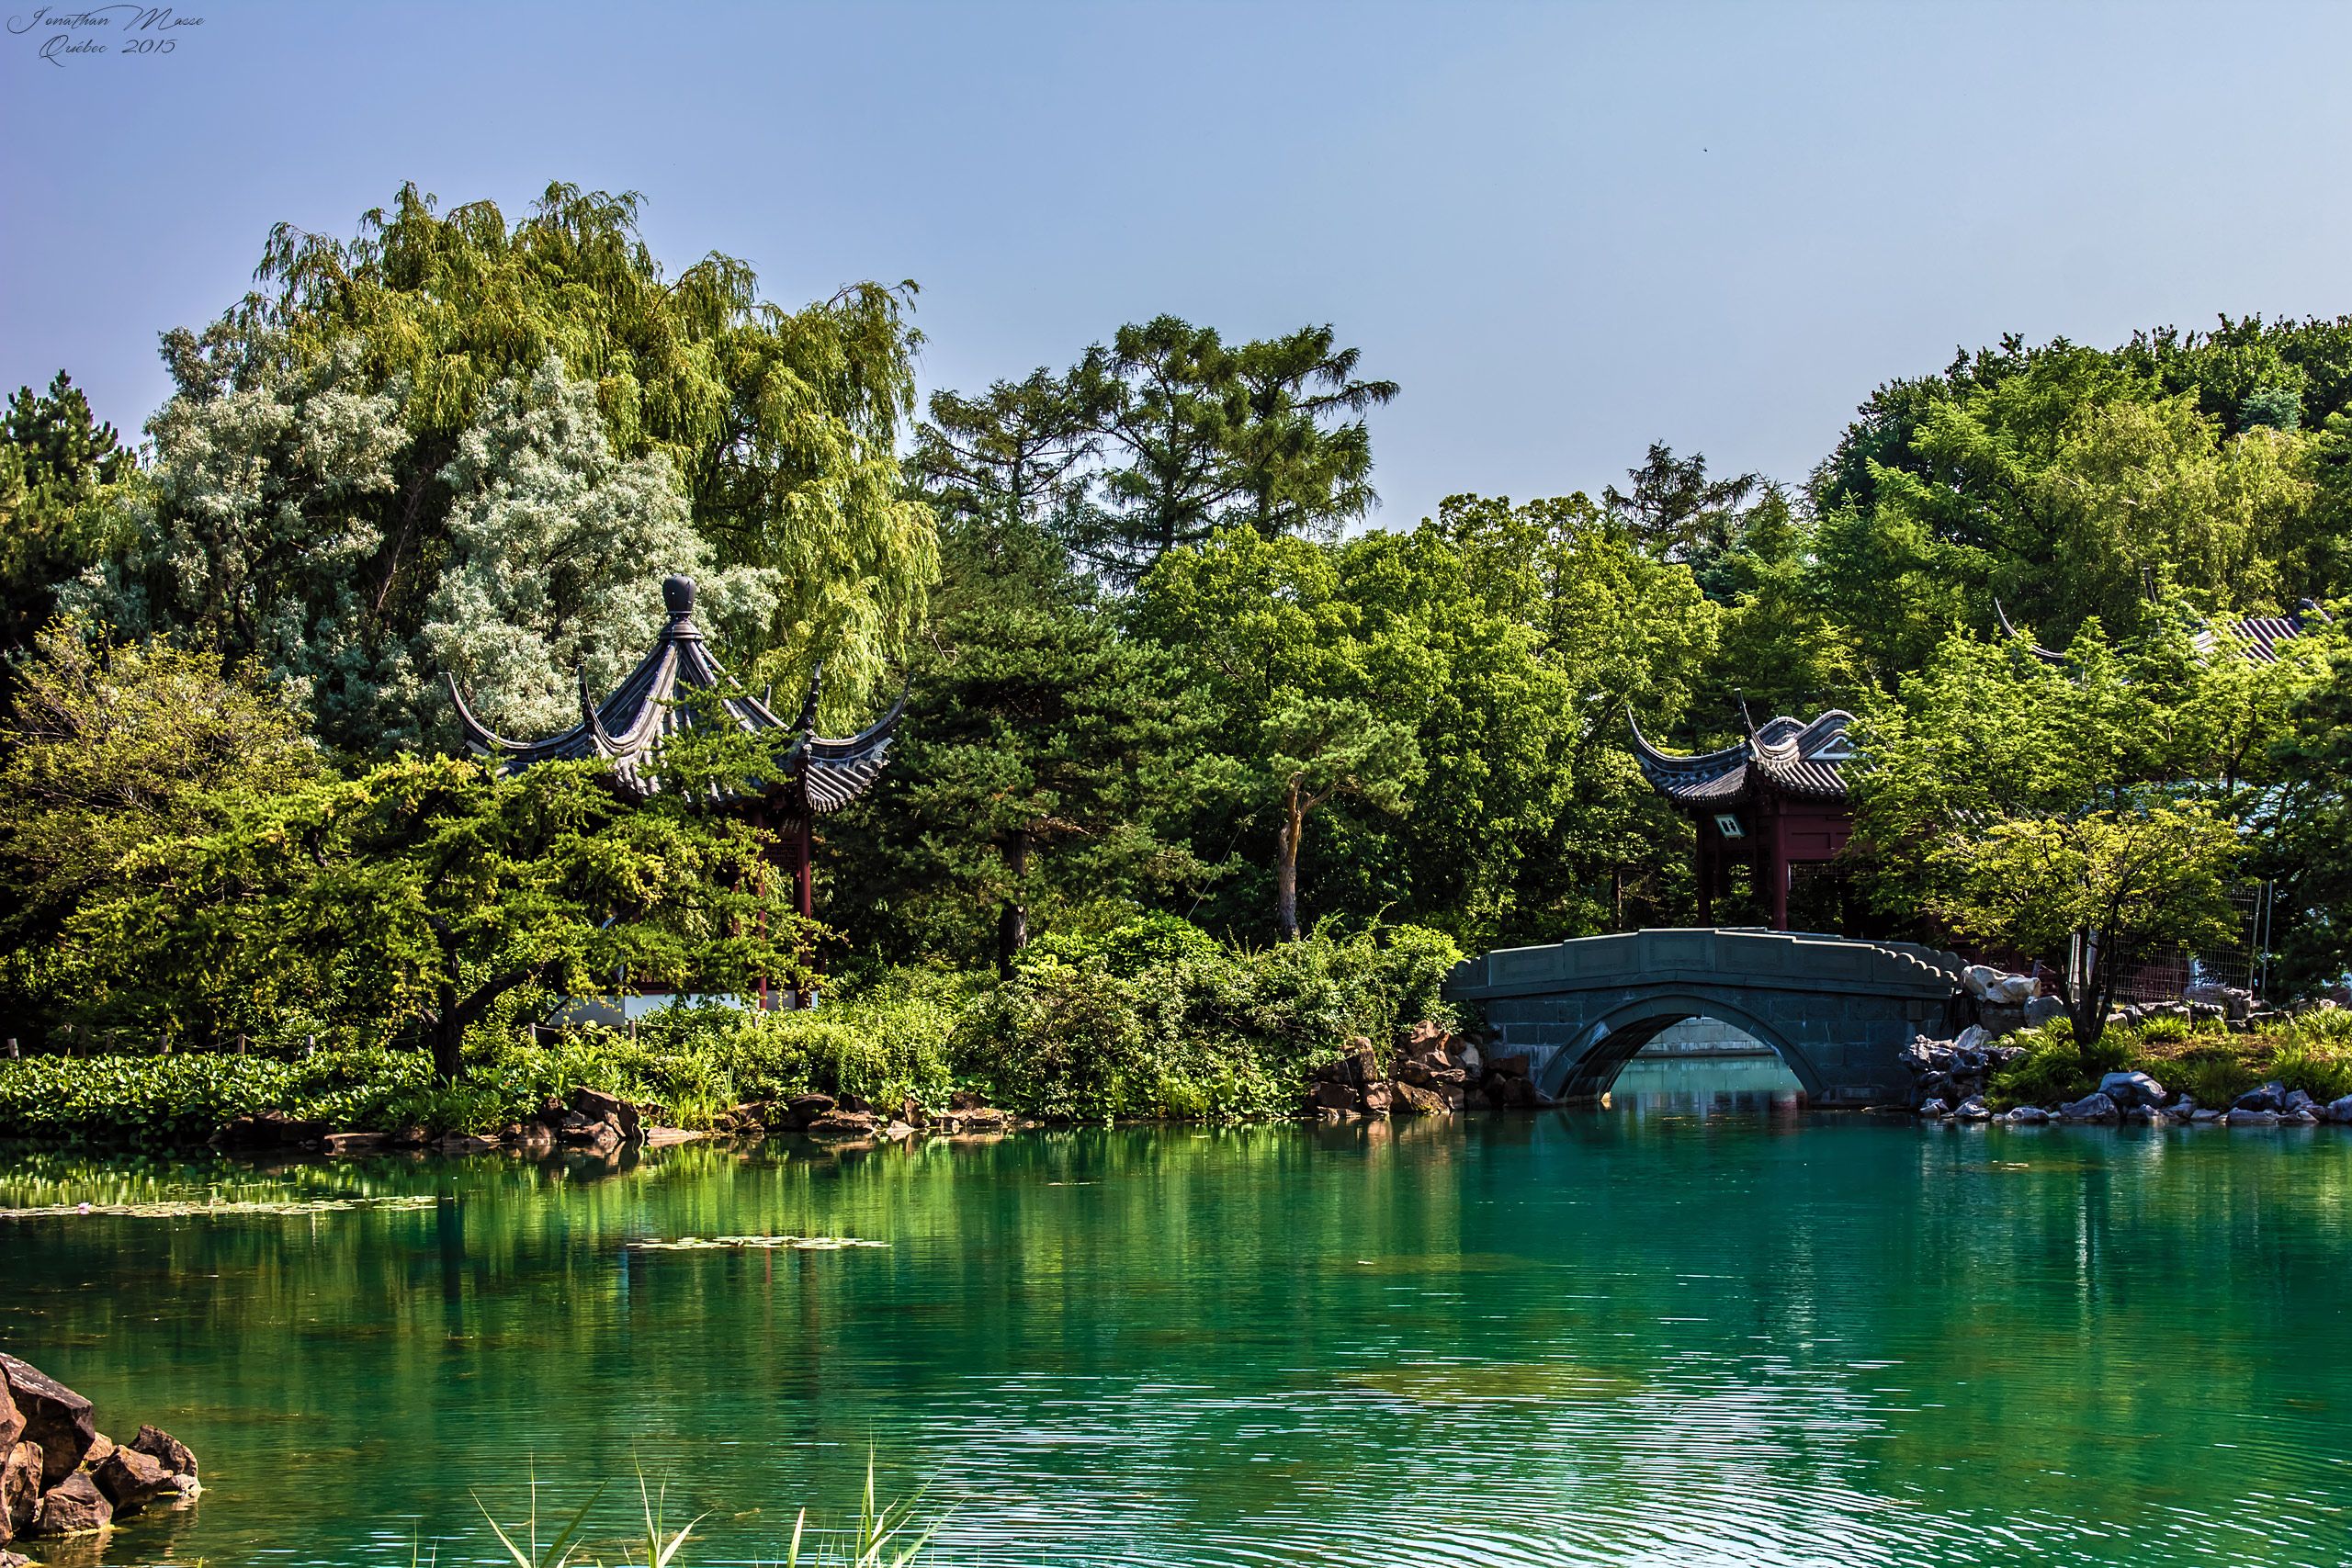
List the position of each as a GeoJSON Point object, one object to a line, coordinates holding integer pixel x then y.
{"type": "Point", "coordinates": [1934, 1107]}
{"type": "Point", "coordinates": [174, 1456]}
{"type": "Point", "coordinates": [74, 1506]}
{"type": "Point", "coordinates": [841, 1126]}
{"type": "Point", "coordinates": [55, 1417]}
{"type": "Point", "coordinates": [610, 1109]}
{"type": "Point", "coordinates": [2243, 1118]}
{"type": "Point", "coordinates": [130, 1479]}
{"type": "Point", "coordinates": [1515, 1067]}
{"type": "Point", "coordinates": [1414, 1100]}
{"type": "Point", "coordinates": [2271, 1096]}
{"type": "Point", "coordinates": [1973, 1109]}
{"type": "Point", "coordinates": [2028, 1115]}
{"type": "Point", "coordinates": [12, 1420]}
{"type": "Point", "coordinates": [2090, 1108]}
{"type": "Point", "coordinates": [2340, 1109]}
{"type": "Point", "coordinates": [19, 1489]}
{"type": "Point", "coordinates": [805, 1109]}
{"type": "Point", "coordinates": [2129, 1089]}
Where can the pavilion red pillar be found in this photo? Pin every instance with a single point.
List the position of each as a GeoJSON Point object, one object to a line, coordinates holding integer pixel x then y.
{"type": "Point", "coordinates": [804, 877]}
{"type": "Point", "coordinates": [1776, 862]}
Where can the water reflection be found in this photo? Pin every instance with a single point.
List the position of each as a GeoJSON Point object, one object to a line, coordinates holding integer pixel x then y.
{"type": "Point", "coordinates": [1689, 1336]}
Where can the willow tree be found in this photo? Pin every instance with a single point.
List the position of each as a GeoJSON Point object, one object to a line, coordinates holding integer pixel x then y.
{"type": "Point", "coordinates": [341, 439]}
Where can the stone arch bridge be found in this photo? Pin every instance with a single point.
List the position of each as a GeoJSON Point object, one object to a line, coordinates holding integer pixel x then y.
{"type": "Point", "coordinates": [1837, 1010]}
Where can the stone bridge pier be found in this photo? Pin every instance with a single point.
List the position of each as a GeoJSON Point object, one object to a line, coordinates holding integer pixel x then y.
{"type": "Point", "coordinates": [1839, 1012]}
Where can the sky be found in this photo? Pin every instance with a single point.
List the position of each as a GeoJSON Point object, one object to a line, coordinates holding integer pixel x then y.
{"type": "Point", "coordinates": [1567, 230]}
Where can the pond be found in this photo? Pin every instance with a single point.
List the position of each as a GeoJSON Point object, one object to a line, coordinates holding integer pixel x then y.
{"type": "Point", "coordinates": [1717, 1329]}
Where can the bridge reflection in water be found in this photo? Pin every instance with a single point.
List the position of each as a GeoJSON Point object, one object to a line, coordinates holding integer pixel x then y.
{"type": "Point", "coordinates": [1703, 1066]}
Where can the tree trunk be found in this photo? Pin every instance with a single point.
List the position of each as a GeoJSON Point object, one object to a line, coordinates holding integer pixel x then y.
{"type": "Point", "coordinates": [1012, 925]}
{"type": "Point", "coordinates": [1287, 866]}
{"type": "Point", "coordinates": [448, 1046]}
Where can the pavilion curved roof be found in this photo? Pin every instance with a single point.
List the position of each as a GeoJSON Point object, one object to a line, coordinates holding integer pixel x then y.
{"type": "Point", "coordinates": [656, 701]}
{"type": "Point", "coordinates": [1782, 756]}
{"type": "Point", "coordinates": [2256, 637]}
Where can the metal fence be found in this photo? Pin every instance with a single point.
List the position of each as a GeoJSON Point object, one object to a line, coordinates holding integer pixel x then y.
{"type": "Point", "coordinates": [2242, 963]}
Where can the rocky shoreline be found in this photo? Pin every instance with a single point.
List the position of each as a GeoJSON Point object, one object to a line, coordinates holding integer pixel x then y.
{"type": "Point", "coordinates": [60, 1476]}
{"type": "Point", "coordinates": [1433, 1073]}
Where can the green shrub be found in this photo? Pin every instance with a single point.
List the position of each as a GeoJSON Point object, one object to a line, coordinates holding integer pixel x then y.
{"type": "Point", "coordinates": [2051, 1071]}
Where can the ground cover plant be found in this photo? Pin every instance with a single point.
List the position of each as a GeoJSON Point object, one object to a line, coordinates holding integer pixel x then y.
{"type": "Point", "coordinates": [2311, 1052]}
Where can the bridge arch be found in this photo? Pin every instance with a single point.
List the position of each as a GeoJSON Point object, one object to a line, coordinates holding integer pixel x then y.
{"type": "Point", "coordinates": [1838, 1012]}
{"type": "Point", "coordinates": [1586, 1070]}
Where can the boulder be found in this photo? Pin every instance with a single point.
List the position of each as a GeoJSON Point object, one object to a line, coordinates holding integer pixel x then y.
{"type": "Point", "coordinates": [1978, 978]}
{"type": "Point", "coordinates": [960, 1100]}
{"type": "Point", "coordinates": [2040, 1011]}
{"type": "Point", "coordinates": [2242, 1118]}
{"type": "Point", "coordinates": [1354, 1068]}
{"type": "Point", "coordinates": [2129, 1089]}
{"type": "Point", "coordinates": [1934, 1108]}
{"type": "Point", "coordinates": [101, 1447]}
{"type": "Point", "coordinates": [2182, 1109]}
{"type": "Point", "coordinates": [2208, 1117]}
{"type": "Point", "coordinates": [1473, 1060]}
{"type": "Point", "coordinates": [2012, 989]}
{"type": "Point", "coordinates": [1413, 1099]}
{"type": "Point", "coordinates": [169, 1452]}
{"type": "Point", "coordinates": [269, 1129]}
{"type": "Point", "coordinates": [2340, 1109]}
{"type": "Point", "coordinates": [2269, 1097]}
{"type": "Point", "coordinates": [598, 1106]}
{"type": "Point", "coordinates": [911, 1112]}
{"type": "Point", "coordinates": [857, 1105]}
{"type": "Point", "coordinates": [2028, 1116]}
{"type": "Point", "coordinates": [1377, 1098]}
{"type": "Point", "coordinates": [897, 1130]}
{"type": "Point", "coordinates": [1973, 1109]}
{"type": "Point", "coordinates": [1976, 1037]}
{"type": "Point", "coordinates": [1510, 1066]}
{"type": "Point", "coordinates": [130, 1479]}
{"type": "Point", "coordinates": [344, 1144]}
{"type": "Point", "coordinates": [12, 1420]}
{"type": "Point", "coordinates": [1327, 1095]}
{"type": "Point", "coordinates": [806, 1108]}
{"type": "Point", "coordinates": [2090, 1108]}
{"type": "Point", "coordinates": [2298, 1100]}
{"type": "Point", "coordinates": [74, 1506]}
{"type": "Point", "coordinates": [2304, 1116]}
{"type": "Point", "coordinates": [55, 1416]}
{"type": "Point", "coordinates": [843, 1125]}
{"type": "Point", "coordinates": [19, 1489]}
{"type": "Point", "coordinates": [467, 1144]}
{"type": "Point", "coordinates": [1431, 1073]}
{"type": "Point", "coordinates": [984, 1119]}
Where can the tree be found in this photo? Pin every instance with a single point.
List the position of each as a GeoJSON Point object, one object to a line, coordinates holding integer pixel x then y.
{"type": "Point", "coordinates": [2093, 804]}
{"type": "Point", "coordinates": [59, 468]}
{"type": "Point", "coordinates": [1295, 475]}
{"type": "Point", "coordinates": [327, 434]}
{"type": "Point", "coordinates": [1047, 754]}
{"type": "Point", "coordinates": [1674, 510]}
{"type": "Point", "coordinates": [2306, 824]}
{"type": "Point", "coordinates": [420, 894]}
{"type": "Point", "coordinates": [110, 749]}
{"type": "Point", "coordinates": [1014, 457]}
{"type": "Point", "coordinates": [1318, 749]}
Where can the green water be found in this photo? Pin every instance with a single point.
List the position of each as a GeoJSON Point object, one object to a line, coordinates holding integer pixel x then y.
{"type": "Point", "coordinates": [1705, 1329]}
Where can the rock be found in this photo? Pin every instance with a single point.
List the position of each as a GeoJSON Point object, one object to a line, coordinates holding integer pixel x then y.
{"type": "Point", "coordinates": [1973, 1109]}
{"type": "Point", "coordinates": [467, 1144]}
{"type": "Point", "coordinates": [2090, 1108]}
{"type": "Point", "coordinates": [101, 1447]}
{"type": "Point", "coordinates": [1473, 1060]}
{"type": "Point", "coordinates": [2306, 1117]}
{"type": "Point", "coordinates": [961, 1099]}
{"type": "Point", "coordinates": [19, 1489]}
{"type": "Point", "coordinates": [15, 1560]}
{"type": "Point", "coordinates": [1431, 1074]}
{"type": "Point", "coordinates": [74, 1506]}
{"type": "Point", "coordinates": [2298, 1100]}
{"type": "Point", "coordinates": [1976, 1037]}
{"type": "Point", "coordinates": [2340, 1109]}
{"type": "Point", "coordinates": [2145, 1115]}
{"type": "Point", "coordinates": [598, 1106]}
{"type": "Point", "coordinates": [410, 1137]}
{"type": "Point", "coordinates": [1414, 1100]}
{"type": "Point", "coordinates": [2029, 1115]}
{"type": "Point", "coordinates": [2129, 1089]}
{"type": "Point", "coordinates": [843, 1125]}
{"type": "Point", "coordinates": [55, 1416]}
{"type": "Point", "coordinates": [1934, 1108]}
{"type": "Point", "coordinates": [985, 1119]}
{"type": "Point", "coordinates": [2239, 1117]}
{"type": "Point", "coordinates": [1977, 978]}
{"type": "Point", "coordinates": [2269, 1097]}
{"type": "Point", "coordinates": [2208, 1117]}
{"type": "Point", "coordinates": [2182, 1109]}
{"type": "Point", "coordinates": [2040, 1011]}
{"type": "Point", "coordinates": [2012, 989]}
{"type": "Point", "coordinates": [1354, 1068]}
{"type": "Point", "coordinates": [269, 1129]}
{"type": "Point", "coordinates": [12, 1420]}
{"type": "Point", "coordinates": [531, 1137]}
{"type": "Point", "coordinates": [169, 1452]}
{"type": "Point", "coordinates": [130, 1479]}
{"type": "Point", "coordinates": [805, 1109]}
{"type": "Point", "coordinates": [911, 1112]}
{"type": "Point", "coordinates": [898, 1130]}
{"type": "Point", "coordinates": [1377, 1098]}
{"type": "Point", "coordinates": [344, 1144]}
{"type": "Point", "coordinates": [1511, 1067]}
{"type": "Point", "coordinates": [1329, 1096]}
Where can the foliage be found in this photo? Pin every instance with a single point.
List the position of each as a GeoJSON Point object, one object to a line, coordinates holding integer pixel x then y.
{"type": "Point", "coordinates": [2311, 1052]}
{"type": "Point", "coordinates": [60, 468]}
{"type": "Point", "coordinates": [108, 751]}
{"type": "Point", "coordinates": [2307, 823]}
{"type": "Point", "coordinates": [354, 462]}
{"type": "Point", "coordinates": [422, 893]}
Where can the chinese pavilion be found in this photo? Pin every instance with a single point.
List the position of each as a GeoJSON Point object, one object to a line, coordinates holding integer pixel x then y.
{"type": "Point", "coordinates": [1775, 800]}
{"type": "Point", "coordinates": [679, 686]}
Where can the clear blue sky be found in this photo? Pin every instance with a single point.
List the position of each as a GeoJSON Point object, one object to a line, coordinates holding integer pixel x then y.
{"type": "Point", "coordinates": [1567, 230]}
